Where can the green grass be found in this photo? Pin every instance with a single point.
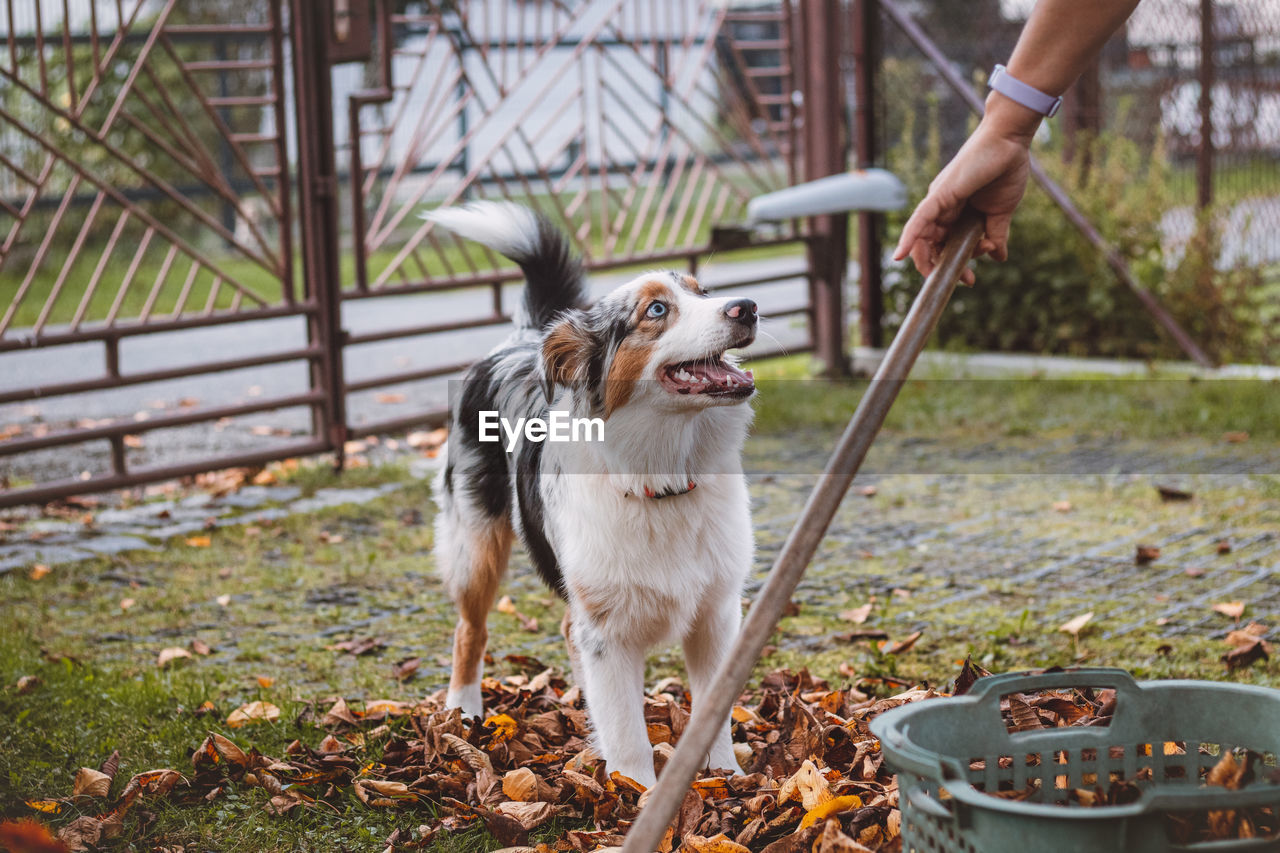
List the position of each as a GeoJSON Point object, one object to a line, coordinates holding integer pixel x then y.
{"type": "Point", "coordinates": [308, 581]}
{"type": "Point", "coordinates": [936, 403]}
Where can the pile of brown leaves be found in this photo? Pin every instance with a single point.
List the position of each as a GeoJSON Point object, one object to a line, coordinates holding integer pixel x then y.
{"type": "Point", "coordinates": [811, 775]}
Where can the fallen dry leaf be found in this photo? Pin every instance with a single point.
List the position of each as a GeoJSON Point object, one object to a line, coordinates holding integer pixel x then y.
{"type": "Point", "coordinates": [1062, 506]}
{"type": "Point", "coordinates": [91, 783]}
{"type": "Point", "coordinates": [1235, 437]}
{"type": "Point", "coordinates": [1169, 494]}
{"type": "Point", "coordinates": [857, 615]}
{"type": "Point", "coordinates": [1245, 655]}
{"type": "Point", "coordinates": [199, 541]}
{"type": "Point", "coordinates": [39, 570]}
{"type": "Point", "coordinates": [520, 784]}
{"type": "Point", "coordinates": [358, 646]}
{"type": "Point", "coordinates": [902, 645]}
{"type": "Point", "coordinates": [25, 684]}
{"type": "Point", "coordinates": [265, 681]}
{"type": "Point", "coordinates": [1074, 626]}
{"type": "Point", "coordinates": [201, 648]}
{"type": "Point", "coordinates": [1230, 609]}
{"type": "Point", "coordinates": [171, 654]}
{"type": "Point", "coordinates": [253, 712]}
{"type": "Point", "coordinates": [29, 836]}
{"type": "Point", "coordinates": [1144, 554]}
{"type": "Point", "coordinates": [406, 669]}
{"type": "Point", "coordinates": [126, 603]}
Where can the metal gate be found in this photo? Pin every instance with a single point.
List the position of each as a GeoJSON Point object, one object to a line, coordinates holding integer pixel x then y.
{"type": "Point", "coordinates": [185, 199]}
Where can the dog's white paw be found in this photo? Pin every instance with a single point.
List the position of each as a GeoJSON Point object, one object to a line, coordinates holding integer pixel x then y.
{"type": "Point", "coordinates": [467, 697]}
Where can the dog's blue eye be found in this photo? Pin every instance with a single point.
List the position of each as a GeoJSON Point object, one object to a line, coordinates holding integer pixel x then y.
{"type": "Point", "coordinates": [656, 309]}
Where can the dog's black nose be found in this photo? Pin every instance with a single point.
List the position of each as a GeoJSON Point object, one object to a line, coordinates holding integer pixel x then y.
{"type": "Point", "coordinates": [741, 311]}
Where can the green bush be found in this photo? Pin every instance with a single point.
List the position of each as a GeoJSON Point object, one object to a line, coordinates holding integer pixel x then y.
{"type": "Point", "coordinates": [1056, 293]}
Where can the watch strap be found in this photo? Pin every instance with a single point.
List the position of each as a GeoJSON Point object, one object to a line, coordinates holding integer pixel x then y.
{"type": "Point", "coordinates": [1029, 96]}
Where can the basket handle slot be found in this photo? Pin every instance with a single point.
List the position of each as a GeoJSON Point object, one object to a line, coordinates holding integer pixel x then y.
{"type": "Point", "coordinates": [987, 692]}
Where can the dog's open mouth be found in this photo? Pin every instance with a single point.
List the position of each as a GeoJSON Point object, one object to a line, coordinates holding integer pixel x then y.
{"type": "Point", "coordinates": [712, 376]}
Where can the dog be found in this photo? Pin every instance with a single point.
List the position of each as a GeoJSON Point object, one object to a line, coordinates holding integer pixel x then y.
{"type": "Point", "coordinates": [647, 534]}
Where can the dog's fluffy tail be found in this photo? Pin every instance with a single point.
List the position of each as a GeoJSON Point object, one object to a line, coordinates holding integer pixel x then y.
{"type": "Point", "coordinates": [552, 272]}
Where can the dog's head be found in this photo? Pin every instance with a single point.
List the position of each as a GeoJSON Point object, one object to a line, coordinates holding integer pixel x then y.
{"type": "Point", "coordinates": [659, 339]}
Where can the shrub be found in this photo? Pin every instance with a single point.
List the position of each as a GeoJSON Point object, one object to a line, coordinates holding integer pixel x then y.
{"type": "Point", "coordinates": [1056, 293]}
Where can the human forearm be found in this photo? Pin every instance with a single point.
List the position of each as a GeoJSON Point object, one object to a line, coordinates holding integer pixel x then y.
{"type": "Point", "coordinates": [1059, 41]}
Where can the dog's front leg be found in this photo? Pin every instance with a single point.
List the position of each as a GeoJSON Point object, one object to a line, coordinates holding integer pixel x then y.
{"type": "Point", "coordinates": [707, 644]}
{"type": "Point", "coordinates": [612, 672]}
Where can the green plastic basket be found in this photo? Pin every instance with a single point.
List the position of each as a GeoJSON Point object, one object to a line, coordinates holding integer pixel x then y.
{"type": "Point", "coordinates": [932, 745]}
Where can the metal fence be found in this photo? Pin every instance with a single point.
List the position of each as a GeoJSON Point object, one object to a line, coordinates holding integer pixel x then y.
{"type": "Point", "coordinates": [195, 196]}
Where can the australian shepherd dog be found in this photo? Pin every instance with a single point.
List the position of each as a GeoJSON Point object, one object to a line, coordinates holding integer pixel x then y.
{"type": "Point", "coordinates": [645, 534]}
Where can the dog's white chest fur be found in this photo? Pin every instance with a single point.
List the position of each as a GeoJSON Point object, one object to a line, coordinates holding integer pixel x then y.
{"type": "Point", "coordinates": [641, 569]}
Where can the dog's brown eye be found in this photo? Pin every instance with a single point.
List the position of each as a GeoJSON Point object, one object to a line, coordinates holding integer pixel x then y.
{"type": "Point", "coordinates": [656, 309]}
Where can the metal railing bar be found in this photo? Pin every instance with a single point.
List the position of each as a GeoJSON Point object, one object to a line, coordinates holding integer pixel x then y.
{"type": "Point", "coordinates": [407, 376]}
{"type": "Point", "coordinates": [108, 382]}
{"type": "Point", "coordinates": [15, 446]}
{"type": "Point", "coordinates": [152, 474]}
{"type": "Point", "coordinates": [432, 329]}
{"type": "Point", "coordinates": [131, 329]}
{"type": "Point", "coordinates": [432, 418]}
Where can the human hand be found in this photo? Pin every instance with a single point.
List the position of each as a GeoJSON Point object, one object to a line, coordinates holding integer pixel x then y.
{"type": "Point", "coordinates": [989, 173]}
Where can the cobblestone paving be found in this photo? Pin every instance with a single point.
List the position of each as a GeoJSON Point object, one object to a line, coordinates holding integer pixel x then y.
{"type": "Point", "coordinates": [983, 547]}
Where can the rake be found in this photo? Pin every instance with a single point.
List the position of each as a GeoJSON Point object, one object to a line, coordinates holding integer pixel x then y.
{"type": "Point", "coordinates": [713, 707]}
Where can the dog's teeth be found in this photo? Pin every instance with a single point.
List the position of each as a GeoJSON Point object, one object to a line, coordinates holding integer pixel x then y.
{"type": "Point", "coordinates": [683, 374]}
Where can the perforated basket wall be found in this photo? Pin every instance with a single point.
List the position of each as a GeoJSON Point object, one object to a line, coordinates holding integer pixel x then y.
{"type": "Point", "coordinates": [952, 754]}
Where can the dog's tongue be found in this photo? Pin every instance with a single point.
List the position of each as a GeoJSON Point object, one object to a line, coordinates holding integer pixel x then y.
{"type": "Point", "coordinates": [701, 377]}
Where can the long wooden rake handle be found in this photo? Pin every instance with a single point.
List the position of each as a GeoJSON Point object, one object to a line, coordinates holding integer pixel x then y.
{"type": "Point", "coordinates": [712, 707]}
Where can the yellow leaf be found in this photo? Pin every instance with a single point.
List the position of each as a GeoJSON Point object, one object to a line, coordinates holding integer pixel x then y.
{"type": "Point", "coordinates": [390, 707]}
{"type": "Point", "coordinates": [833, 806]}
{"type": "Point", "coordinates": [46, 806]}
{"type": "Point", "coordinates": [199, 541]}
{"type": "Point", "coordinates": [265, 681]}
{"type": "Point", "coordinates": [506, 605]}
{"type": "Point", "coordinates": [807, 785]}
{"type": "Point", "coordinates": [1074, 626]}
{"type": "Point", "coordinates": [39, 570]}
{"type": "Point", "coordinates": [253, 712]}
{"type": "Point", "coordinates": [713, 788]}
{"type": "Point", "coordinates": [504, 727]}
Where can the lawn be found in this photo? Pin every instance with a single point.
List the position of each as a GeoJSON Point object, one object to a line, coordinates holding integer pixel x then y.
{"type": "Point", "coordinates": [991, 513]}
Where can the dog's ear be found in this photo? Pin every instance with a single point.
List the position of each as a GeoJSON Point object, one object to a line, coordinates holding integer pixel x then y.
{"type": "Point", "coordinates": [565, 352]}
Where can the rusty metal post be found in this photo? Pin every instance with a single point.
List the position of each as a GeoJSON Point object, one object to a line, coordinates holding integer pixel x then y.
{"type": "Point", "coordinates": [1204, 154]}
{"type": "Point", "coordinates": [318, 215]}
{"type": "Point", "coordinates": [824, 154]}
{"type": "Point", "coordinates": [866, 58]}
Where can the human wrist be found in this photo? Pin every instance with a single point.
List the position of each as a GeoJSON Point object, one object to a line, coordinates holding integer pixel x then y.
{"type": "Point", "coordinates": [1009, 119]}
